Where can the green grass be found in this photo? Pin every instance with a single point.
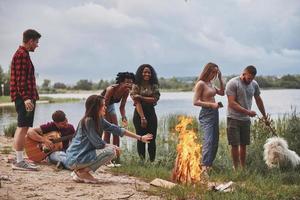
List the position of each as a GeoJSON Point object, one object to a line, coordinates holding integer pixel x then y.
{"type": "Point", "coordinates": [10, 130]}
{"type": "Point", "coordinates": [6, 99]}
{"type": "Point", "coordinates": [255, 182]}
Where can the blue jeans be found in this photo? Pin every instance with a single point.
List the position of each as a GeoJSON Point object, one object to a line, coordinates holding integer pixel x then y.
{"type": "Point", "coordinates": [58, 156]}
{"type": "Point", "coordinates": [209, 122]}
{"type": "Point", "coordinates": [103, 156]}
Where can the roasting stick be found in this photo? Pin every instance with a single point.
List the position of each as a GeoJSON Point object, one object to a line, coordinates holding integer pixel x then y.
{"type": "Point", "coordinates": [267, 122]}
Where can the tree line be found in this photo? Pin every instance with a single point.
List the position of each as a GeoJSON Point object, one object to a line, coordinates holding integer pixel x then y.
{"type": "Point", "coordinates": [172, 84]}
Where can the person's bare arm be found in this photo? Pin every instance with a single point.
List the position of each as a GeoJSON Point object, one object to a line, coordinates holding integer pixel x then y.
{"type": "Point", "coordinates": [36, 135]}
{"type": "Point", "coordinates": [145, 138]}
{"type": "Point", "coordinates": [140, 110]}
{"type": "Point", "coordinates": [123, 103]}
{"type": "Point", "coordinates": [149, 99]}
{"type": "Point", "coordinates": [260, 105]}
{"type": "Point", "coordinates": [220, 91]}
{"type": "Point", "coordinates": [234, 105]}
{"type": "Point", "coordinates": [144, 99]}
{"type": "Point", "coordinates": [135, 95]}
{"type": "Point", "coordinates": [122, 108]}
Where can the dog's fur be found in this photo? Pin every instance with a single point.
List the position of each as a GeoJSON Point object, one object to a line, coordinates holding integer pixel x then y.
{"type": "Point", "coordinates": [277, 154]}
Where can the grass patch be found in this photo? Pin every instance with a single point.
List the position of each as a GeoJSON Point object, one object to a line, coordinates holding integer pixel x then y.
{"type": "Point", "coordinates": [255, 182]}
{"type": "Point", "coordinates": [6, 99]}
{"type": "Point", "coordinates": [10, 130]}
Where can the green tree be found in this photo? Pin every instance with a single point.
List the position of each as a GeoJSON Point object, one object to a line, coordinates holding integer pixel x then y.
{"type": "Point", "coordinates": [102, 84]}
{"type": "Point", "coordinates": [59, 85]}
{"type": "Point", "coordinates": [265, 81]}
{"type": "Point", "coordinates": [83, 84]}
{"type": "Point", "coordinates": [1, 79]}
{"type": "Point", "coordinates": [289, 81]}
{"type": "Point", "coordinates": [4, 79]}
{"type": "Point", "coordinates": [46, 84]}
{"type": "Point", "coordinates": [1, 74]}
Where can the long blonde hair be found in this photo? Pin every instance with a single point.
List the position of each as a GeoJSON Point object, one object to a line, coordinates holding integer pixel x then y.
{"type": "Point", "coordinates": [206, 72]}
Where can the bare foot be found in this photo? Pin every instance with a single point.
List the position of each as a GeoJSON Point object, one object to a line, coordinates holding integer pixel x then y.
{"type": "Point", "coordinates": [86, 177]}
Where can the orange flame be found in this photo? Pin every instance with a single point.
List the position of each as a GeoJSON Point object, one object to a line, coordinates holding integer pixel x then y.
{"type": "Point", "coordinates": [187, 169]}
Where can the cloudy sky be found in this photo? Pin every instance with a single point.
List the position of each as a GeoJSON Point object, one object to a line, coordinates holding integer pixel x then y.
{"type": "Point", "coordinates": [96, 39]}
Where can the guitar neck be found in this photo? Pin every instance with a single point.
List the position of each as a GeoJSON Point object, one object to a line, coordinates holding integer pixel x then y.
{"type": "Point", "coordinates": [65, 138]}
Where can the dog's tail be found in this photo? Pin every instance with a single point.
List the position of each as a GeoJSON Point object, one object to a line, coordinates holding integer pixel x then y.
{"type": "Point", "coordinates": [293, 158]}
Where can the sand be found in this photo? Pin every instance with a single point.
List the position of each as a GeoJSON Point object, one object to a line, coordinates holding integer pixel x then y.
{"type": "Point", "coordinates": [50, 183]}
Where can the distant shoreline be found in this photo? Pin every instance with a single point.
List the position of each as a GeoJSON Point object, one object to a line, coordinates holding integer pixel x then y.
{"type": "Point", "coordinates": [5, 100]}
{"type": "Point", "coordinates": [13, 104]}
{"type": "Point", "coordinates": [52, 98]}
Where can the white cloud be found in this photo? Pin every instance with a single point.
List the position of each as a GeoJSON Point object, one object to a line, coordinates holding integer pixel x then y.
{"type": "Point", "coordinates": [96, 39]}
{"type": "Point", "coordinates": [93, 15]}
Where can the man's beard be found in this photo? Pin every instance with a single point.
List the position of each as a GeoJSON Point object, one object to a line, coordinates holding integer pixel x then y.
{"type": "Point", "coordinates": [245, 81]}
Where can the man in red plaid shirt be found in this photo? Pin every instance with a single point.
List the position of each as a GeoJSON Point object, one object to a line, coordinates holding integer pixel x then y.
{"type": "Point", "coordinates": [24, 93]}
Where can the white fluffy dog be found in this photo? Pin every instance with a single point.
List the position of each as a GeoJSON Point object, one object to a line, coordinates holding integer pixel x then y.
{"type": "Point", "coordinates": [276, 153]}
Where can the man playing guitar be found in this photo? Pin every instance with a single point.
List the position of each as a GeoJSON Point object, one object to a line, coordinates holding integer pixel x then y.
{"type": "Point", "coordinates": [42, 136]}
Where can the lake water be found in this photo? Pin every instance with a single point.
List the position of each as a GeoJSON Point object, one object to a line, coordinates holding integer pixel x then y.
{"type": "Point", "coordinates": [277, 103]}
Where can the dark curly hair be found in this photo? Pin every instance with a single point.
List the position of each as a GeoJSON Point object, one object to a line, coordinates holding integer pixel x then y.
{"type": "Point", "coordinates": [139, 74]}
{"type": "Point", "coordinates": [121, 76]}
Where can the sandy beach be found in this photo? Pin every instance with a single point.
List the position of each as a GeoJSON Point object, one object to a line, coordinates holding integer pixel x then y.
{"type": "Point", "coordinates": [49, 183]}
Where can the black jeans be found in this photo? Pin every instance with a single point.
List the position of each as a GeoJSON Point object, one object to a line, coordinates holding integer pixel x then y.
{"type": "Point", "coordinates": [151, 117]}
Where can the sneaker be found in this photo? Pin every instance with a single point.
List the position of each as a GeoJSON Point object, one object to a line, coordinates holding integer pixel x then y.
{"type": "Point", "coordinates": [24, 166]}
{"type": "Point", "coordinates": [30, 162]}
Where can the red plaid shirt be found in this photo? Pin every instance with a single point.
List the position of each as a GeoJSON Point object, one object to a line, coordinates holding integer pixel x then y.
{"type": "Point", "coordinates": [22, 79]}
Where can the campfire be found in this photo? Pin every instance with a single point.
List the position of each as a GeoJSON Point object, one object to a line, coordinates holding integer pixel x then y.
{"type": "Point", "coordinates": [187, 169]}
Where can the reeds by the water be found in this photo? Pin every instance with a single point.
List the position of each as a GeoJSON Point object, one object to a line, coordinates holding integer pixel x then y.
{"type": "Point", "coordinates": [254, 182]}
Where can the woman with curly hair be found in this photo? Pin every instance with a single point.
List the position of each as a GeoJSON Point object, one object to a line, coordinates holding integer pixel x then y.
{"type": "Point", "coordinates": [145, 94]}
{"type": "Point", "coordinates": [113, 94]}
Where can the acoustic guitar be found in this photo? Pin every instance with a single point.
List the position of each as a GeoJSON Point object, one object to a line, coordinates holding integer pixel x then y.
{"type": "Point", "coordinates": [37, 151]}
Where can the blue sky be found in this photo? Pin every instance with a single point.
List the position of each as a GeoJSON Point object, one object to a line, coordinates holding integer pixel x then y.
{"type": "Point", "coordinates": [96, 39]}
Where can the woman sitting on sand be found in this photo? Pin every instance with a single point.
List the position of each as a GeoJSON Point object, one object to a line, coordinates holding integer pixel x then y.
{"type": "Point", "coordinates": [88, 151]}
